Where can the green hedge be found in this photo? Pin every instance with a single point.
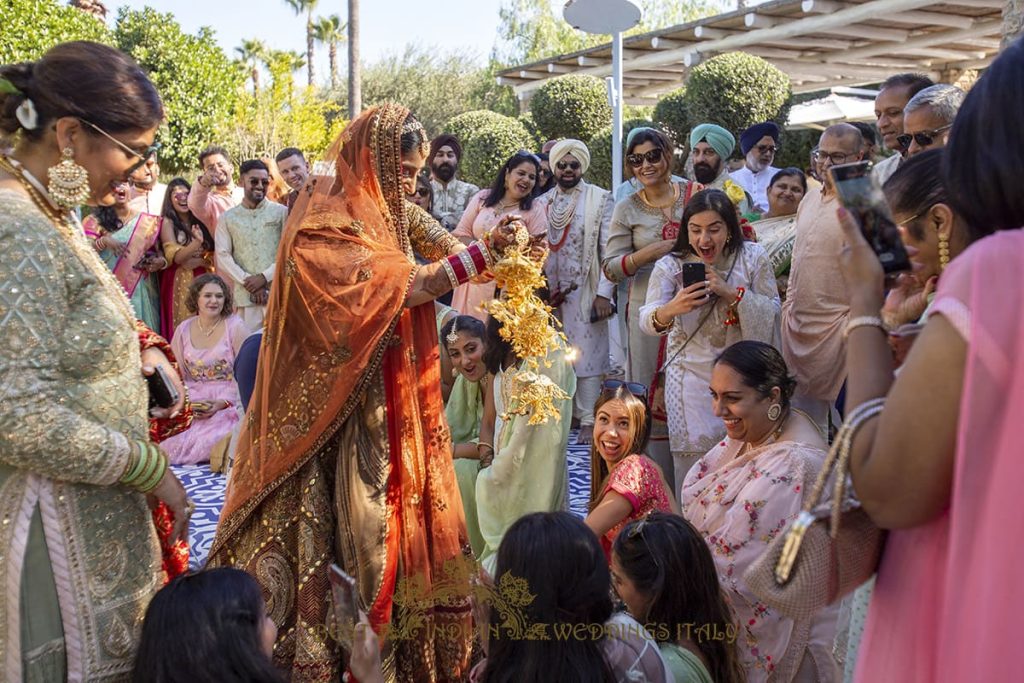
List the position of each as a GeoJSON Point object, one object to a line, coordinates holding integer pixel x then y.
{"type": "Point", "coordinates": [465, 124]}
{"type": "Point", "coordinates": [600, 172]}
{"type": "Point", "coordinates": [489, 146]}
{"type": "Point", "coordinates": [572, 106]}
{"type": "Point", "coordinates": [672, 115]}
{"type": "Point", "coordinates": [736, 90]}
{"type": "Point", "coordinates": [534, 130]}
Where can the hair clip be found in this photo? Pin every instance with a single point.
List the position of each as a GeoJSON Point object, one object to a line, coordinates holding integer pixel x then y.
{"type": "Point", "coordinates": [27, 115]}
{"type": "Point", "coordinates": [452, 336]}
{"type": "Point", "coordinates": [413, 126]}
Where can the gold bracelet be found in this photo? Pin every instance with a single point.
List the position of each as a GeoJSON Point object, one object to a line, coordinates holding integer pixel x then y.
{"type": "Point", "coordinates": [864, 321]}
{"type": "Point", "coordinates": [658, 325]}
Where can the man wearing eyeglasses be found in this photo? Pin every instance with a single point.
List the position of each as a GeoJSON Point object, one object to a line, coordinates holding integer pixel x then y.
{"type": "Point", "coordinates": [817, 306]}
{"type": "Point", "coordinates": [579, 215]}
{"type": "Point", "coordinates": [928, 117]}
{"type": "Point", "coordinates": [759, 143]}
{"type": "Point", "coordinates": [246, 242]}
{"type": "Point", "coordinates": [890, 104]}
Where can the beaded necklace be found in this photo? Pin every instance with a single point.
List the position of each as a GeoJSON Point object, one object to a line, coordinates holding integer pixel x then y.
{"type": "Point", "coordinates": [560, 220]}
{"type": "Point", "coordinates": [71, 232]}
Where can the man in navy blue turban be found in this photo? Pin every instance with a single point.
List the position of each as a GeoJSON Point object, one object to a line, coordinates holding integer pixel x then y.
{"type": "Point", "coordinates": [759, 143]}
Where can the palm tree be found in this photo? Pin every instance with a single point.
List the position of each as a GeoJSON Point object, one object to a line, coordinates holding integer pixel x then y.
{"type": "Point", "coordinates": [253, 53]}
{"type": "Point", "coordinates": [331, 30]}
{"type": "Point", "coordinates": [306, 6]}
{"type": "Point", "coordinates": [355, 87]}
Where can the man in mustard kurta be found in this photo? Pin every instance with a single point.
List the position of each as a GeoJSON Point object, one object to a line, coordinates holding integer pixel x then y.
{"type": "Point", "coordinates": [246, 239]}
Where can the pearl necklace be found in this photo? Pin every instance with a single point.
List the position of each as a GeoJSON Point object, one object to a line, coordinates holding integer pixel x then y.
{"type": "Point", "coordinates": [561, 219]}
{"type": "Point", "coordinates": [70, 230]}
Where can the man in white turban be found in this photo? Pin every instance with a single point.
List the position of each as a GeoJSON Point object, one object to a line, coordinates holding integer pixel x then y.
{"type": "Point", "coordinates": [579, 215]}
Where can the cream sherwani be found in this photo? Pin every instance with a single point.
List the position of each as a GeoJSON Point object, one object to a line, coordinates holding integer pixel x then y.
{"type": "Point", "coordinates": [575, 259]}
{"type": "Point", "coordinates": [817, 305]}
{"type": "Point", "coordinates": [246, 241]}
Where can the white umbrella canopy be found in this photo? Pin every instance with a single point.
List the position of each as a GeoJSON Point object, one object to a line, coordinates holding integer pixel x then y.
{"type": "Point", "coordinates": [833, 108]}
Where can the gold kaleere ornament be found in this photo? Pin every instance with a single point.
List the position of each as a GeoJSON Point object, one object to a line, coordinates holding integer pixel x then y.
{"type": "Point", "coordinates": [528, 324]}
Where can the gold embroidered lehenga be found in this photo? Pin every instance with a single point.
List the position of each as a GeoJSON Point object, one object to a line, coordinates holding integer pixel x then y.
{"type": "Point", "coordinates": [345, 455]}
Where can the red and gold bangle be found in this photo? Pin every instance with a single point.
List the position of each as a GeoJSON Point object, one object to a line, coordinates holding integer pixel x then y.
{"type": "Point", "coordinates": [474, 260]}
{"type": "Point", "coordinates": [625, 270]}
{"type": "Point", "coordinates": [732, 318]}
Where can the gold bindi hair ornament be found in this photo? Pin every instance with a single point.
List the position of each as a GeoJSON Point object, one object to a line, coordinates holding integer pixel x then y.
{"type": "Point", "coordinates": [452, 336]}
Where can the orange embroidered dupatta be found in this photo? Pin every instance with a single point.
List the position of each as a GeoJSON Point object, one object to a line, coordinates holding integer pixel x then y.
{"type": "Point", "coordinates": [336, 332]}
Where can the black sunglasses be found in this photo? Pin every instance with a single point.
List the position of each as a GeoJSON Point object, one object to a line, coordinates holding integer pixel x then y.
{"type": "Point", "coordinates": [923, 139]}
{"type": "Point", "coordinates": [635, 388]}
{"type": "Point", "coordinates": [637, 160]}
{"type": "Point", "coordinates": [422, 191]}
{"type": "Point", "coordinates": [562, 165]}
{"type": "Point", "coordinates": [527, 153]}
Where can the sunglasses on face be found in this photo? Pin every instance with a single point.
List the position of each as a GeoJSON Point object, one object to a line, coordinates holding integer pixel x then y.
{"type": "Point", "coordinates": [651, 156]}
{"type": "Point", "coordinates": [635, 388]}
{"type": "Point", "coordinates": [562, 165]}
{"type": "Point", "coordinates": [422, 191]}
{"type": "Point", "coordinates": [767, 149]}
{"type": "Point", "coordinates": [143, 156]}
{"type": "Point", "coordinates": [923, 139]}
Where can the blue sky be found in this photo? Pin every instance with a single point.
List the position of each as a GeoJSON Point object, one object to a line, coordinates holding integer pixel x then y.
{"type": "Point", "coordinates": [387, 25]}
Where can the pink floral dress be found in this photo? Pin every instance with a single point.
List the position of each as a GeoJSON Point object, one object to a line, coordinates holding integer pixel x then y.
{"type": "Point", "coordinates": [637, 479]}
{"type": "Point", "coordinates": [209, 375]}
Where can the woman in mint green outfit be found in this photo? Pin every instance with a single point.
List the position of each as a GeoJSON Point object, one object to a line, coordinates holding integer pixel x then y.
{"type": "Point", "coordinates": [463, 341]}
{"type": "Point", "coordinates": [662, 569]}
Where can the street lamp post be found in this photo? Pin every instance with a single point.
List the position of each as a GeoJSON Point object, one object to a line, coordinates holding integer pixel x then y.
{"type": "Point", "coordinates": [608, 17]}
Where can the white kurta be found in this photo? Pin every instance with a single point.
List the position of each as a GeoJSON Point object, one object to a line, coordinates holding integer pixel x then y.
{"type": "Point", "coordinates": [756, 184]}
{"type": "Point", "coordinates": [578, 262]}
{"type": "Point", "coordinates": [692, 426]}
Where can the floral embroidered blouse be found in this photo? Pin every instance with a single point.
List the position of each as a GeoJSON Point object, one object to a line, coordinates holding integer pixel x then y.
{"type": "Point", "coordinates": [637, 479]}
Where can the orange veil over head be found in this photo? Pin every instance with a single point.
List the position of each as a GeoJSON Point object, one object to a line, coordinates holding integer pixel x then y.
{"type": "Point", "coordinates": [335, 325]}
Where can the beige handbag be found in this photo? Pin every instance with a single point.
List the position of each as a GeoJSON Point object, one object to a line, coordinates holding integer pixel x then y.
{"type": "Point", "coordinates": [829, 549]}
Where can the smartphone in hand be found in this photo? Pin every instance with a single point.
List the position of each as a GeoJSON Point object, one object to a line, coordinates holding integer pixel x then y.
{"type": "Point", "coordinates": [862, 196]}
{"type": "Point", "coordinates": [162, 392]}
{"type": "Point", "coordinates": [346, 606]}
{"type": "Point", "coordinates": [693, 273]}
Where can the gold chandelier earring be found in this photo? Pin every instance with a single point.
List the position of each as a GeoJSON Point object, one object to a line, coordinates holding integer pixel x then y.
{"type": "Point", "coordinates": [943, 252]}
{"type": "Point", "coordinates": [69, 182]}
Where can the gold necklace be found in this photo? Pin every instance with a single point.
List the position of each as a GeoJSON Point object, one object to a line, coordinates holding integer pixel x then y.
{"type": "Point", "coordinates": [203, 329]}
{"type": "Point", "coordinates": [70, 231]}
{"type": "Point", "coordinates": [772, 438]}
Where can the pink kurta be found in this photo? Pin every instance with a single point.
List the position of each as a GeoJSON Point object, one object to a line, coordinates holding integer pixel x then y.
{"type": "Point", "coordinates": [638, 480]}
{"type": "Point", "coordinates": [740, 503]}
{"type": "Point", "coordinates": [475, 222]}
{"type": "Point", "coordinates": [209, 375]}
{"type": "Point", "coordinates": [949, 595]}
{"type": "Point", "coordinates": [817, 305]}
{"type": "Point", "coordinates": [208, 205]}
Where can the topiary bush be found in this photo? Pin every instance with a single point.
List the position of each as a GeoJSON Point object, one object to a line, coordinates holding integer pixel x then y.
{"type": "Point", "coordinates": [488, 146]}
{"type": "Point", "coordinates": [572, 106]}
{"type": "Point", "coordinates": [465, 124]}
{"type": "Point", "coordinates": [600, 171]}
{"type": "Point", "coordinates": [736, 90]}
{"type": "Point", "coordinates": [534, 131]}
{"type": "Point", "coordinates": [673, 117]}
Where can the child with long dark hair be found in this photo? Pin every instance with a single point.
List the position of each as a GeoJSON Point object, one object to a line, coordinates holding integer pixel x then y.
{"type": "Point", "coordinates": [207, 627]}
{"type": "Point", "coordinates": [663, 570]}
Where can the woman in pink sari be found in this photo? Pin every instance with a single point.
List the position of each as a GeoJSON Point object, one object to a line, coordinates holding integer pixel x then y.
{"type": "Point", "coordinates": [941, 466]}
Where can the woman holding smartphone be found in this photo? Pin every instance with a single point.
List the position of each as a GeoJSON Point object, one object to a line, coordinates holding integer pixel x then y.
{"type": "Point", "coordinates": [736, 299]}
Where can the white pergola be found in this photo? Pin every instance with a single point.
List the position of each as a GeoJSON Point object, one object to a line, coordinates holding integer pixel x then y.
{"type": "Point", "coordinates": [820, 44]}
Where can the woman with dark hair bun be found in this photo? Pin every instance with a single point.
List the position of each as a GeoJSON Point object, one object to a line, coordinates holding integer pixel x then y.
{"type": "Point", "coordinates": [744, 492]}
{"type": "Point", "coordinates": [76, 456]}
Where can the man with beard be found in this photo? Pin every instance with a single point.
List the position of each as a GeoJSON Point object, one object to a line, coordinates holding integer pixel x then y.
{"type": "Point", "coordinates": [294, 170]}
{"type": "Point", "coordinates": [890, 102]}
{"type": "Point", "coordinates": [214, 192]}
{"type": "Point", "coordinates": [758, 144]}
{"type": "Point", "coordinates": [817, 305]}
{"type": "Point", "coordinates": [711, 146]}
{"type": "Point", "coordinates": [450, 194]}
{"type": "Point", "coordinates": [579, 215]}
{"type": "Point", "coordinates": [246, 243]}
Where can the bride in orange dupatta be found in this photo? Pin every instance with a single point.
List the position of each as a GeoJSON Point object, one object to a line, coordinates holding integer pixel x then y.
{"type": "Point", "coordinates": [345, 455]}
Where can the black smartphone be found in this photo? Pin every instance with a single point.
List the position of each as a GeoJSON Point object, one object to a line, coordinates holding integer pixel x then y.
{"type": "Point", "coordinates": [693, 273]}
{"type": "Point", "coordinates": [860, 193]}
{"type": "Point", "coordinates": [346, 606]}
{"type": "Point", "coordinates": [162, 392]}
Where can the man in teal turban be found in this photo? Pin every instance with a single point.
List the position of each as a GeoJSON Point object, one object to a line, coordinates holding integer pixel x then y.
{"type": "Point", "coordinates": [711, 146]}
